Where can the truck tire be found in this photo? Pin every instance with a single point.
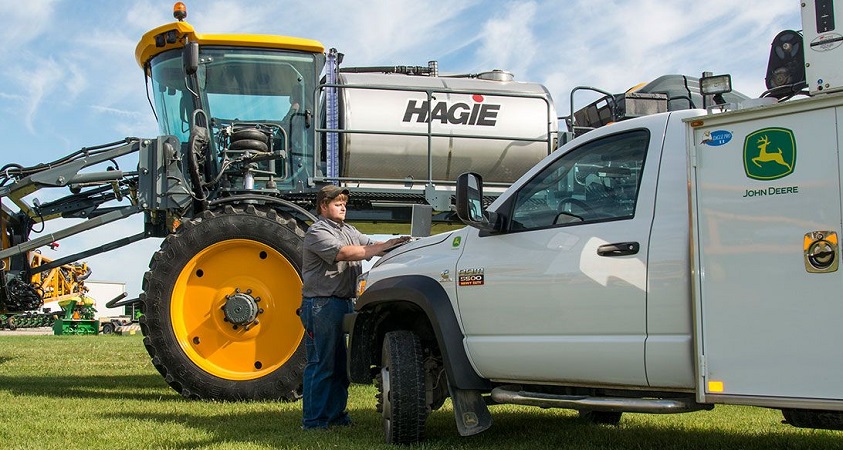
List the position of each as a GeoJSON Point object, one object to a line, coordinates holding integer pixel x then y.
{"type": "Point", "coordinates": [107, 328]}
{"type": "Point", "coordinates": [401, 390]}
{"type": "Point", "coordinates": [219, 303]}
{"type": "Point", "coordinates": [814, 418]}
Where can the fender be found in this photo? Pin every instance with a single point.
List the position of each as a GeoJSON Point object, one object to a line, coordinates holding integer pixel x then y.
{"type": "Point", "coordinates": [426, 294]}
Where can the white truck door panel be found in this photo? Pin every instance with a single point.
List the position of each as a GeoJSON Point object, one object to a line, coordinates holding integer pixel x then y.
{"type": "Point", "coordinates": [767, 326]}
{"type": "Point", "coordinates": [558, 299]}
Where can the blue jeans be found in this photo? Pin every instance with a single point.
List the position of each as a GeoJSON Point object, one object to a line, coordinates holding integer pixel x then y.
{"type": "Point", "coordinates": [325, 375]}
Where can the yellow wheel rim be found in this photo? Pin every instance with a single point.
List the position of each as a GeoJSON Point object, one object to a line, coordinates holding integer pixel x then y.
{"type": "Point", "coordinates": [217, 346]}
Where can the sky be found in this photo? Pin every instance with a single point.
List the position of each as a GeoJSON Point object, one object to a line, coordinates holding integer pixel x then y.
{"type": "Point", "coordinates": [68, 76]}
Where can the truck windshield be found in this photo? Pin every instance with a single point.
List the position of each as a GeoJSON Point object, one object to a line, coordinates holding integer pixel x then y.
{"type": "Point", "coordinates": [241, 85]}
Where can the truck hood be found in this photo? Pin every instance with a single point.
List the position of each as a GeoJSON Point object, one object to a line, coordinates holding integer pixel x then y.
{"type": "Point", "coordinates": [414, 245]}
{"type": "Point", "coordinates": [434, 257]}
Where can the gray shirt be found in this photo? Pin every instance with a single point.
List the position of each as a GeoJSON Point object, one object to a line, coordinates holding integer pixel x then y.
{"type": "Point", "coordinates": [323, 275]}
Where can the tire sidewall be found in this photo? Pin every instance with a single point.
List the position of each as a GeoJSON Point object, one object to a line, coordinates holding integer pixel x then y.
{"type": "Point", "coordinates": [176, 252]}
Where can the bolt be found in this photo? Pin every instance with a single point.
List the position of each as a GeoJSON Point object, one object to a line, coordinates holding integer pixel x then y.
{"type": "Point", "coordinates": [260, 310]}
{"type": "Point", "coordinates": [257, 299]}
{"type": "Point", "coordinates": [248, 291]}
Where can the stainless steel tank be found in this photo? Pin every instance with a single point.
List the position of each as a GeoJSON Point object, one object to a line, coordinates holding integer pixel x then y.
{"type": "Point", "coordinates": [480, 123]}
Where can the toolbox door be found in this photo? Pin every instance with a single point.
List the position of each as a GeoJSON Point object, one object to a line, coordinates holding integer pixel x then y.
{"type": "Point", "coordinates": [766, 214]}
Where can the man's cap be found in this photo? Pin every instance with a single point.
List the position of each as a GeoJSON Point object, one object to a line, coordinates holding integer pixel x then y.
{"type": "Point", "coordinates": [330, 191]}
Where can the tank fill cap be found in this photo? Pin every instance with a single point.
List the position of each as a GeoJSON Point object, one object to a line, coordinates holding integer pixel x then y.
{"type": "Point", "coordinates": [496, 75]}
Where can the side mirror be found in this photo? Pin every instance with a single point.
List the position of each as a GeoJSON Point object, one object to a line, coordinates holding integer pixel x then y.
{"type": "Point", "coordinates": [470, 201]}
{"type": "Point", "coordinates": [190, 58]}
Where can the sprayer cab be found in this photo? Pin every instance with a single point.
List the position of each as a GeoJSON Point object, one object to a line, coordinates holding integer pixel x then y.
{"type": "Point", "coordinates": [240, 104]}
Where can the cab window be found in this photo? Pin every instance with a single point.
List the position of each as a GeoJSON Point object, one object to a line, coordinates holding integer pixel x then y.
{"type": "Point", "coordinates": [593, 183]}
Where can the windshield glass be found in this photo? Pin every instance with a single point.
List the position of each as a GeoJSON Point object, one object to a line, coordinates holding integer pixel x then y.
{"type": "Point", "coordinates": [237, 85]}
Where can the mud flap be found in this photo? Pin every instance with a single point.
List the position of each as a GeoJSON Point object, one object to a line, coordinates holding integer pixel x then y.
{"type": "Point", "coordinates": [470, 411]}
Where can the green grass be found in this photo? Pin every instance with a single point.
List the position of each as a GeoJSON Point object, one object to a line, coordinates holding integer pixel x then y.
{"type": "Point", "coordinates": [101, 392]}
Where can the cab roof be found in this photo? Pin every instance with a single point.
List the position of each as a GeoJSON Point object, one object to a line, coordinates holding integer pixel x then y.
{"type": "Point", "coordinates": [171, 36]}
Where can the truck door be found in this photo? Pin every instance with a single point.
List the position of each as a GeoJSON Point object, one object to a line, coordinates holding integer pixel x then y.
{"type": "Point", "coordinates": [560, 293]}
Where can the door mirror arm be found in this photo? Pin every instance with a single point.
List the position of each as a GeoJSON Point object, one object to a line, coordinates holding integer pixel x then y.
{"type": "Point", "coordinates": [470, 208]}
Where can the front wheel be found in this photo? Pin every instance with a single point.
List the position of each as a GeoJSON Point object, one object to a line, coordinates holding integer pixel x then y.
{"type": "Point", "coordinates": [401, 389]}
{"type": "Point", "coordinates": [220, 303]}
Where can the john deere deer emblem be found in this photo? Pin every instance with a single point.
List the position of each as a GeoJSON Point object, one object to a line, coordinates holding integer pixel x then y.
{"type": "Point", "coordinates": [769, 154]}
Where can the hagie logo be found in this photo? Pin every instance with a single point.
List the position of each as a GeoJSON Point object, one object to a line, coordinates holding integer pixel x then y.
{"type": "Point", "coordinates": [769, 154]}
{"type": "Point", "coordinates": [480, 113]}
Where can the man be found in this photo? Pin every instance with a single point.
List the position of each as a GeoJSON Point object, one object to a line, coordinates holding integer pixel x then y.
{"type": "Point", "coordinates": [333, 251]}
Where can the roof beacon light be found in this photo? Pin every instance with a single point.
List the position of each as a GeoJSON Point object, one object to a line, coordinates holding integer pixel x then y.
{"type": "Point", "coordinates": [180, 11]}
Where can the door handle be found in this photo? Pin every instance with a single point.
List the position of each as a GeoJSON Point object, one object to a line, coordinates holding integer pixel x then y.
{"type": "Point", "coordinates": [619, 249]}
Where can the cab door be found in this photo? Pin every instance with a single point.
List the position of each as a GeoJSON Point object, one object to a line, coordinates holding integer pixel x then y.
{"type": "Point", "coordinates": [560, 294]}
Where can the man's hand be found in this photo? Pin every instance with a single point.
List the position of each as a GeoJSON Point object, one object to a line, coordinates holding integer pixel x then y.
{"type": "Point", "coordinates": [394, 242]}
{"type": "Point", "coordinates": [361, 252]}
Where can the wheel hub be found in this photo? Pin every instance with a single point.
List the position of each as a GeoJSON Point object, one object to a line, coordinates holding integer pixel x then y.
{"type": "Point", "coordinates": [241, 309]}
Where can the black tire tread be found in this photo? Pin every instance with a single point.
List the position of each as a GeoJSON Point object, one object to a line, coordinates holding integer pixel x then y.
{"type": "Point", "coordinates": [814, 418]}
{"type": "Point", "coordinates": [402, 354]}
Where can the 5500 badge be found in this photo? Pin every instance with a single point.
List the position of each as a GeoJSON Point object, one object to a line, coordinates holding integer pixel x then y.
{"type": "Point", "coordinates": [470, 277]}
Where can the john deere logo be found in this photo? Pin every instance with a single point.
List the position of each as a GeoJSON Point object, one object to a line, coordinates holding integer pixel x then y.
{"type": "Point", "coordinates": [769, 154]}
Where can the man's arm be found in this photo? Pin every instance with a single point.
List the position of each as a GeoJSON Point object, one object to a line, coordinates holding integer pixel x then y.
{"type": "Point", "coordinates": [361, 252]}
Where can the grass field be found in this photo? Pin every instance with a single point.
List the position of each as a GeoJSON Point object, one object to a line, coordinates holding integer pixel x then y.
{"type": "Point", "coordinates": [102, 392]}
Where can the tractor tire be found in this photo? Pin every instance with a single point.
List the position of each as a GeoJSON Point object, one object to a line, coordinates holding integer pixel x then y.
{"type": "Point", "coordinates": [206, 276]}
{"type": "Point", "coordinates": [401, 389]}
{"type": "Point", "coordinates": [108, 328]}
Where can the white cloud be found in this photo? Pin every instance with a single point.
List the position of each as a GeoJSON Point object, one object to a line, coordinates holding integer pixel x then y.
{"type": "Point", "coordinates": [22, 23]}
{"type": "Point", "coordinates": [508, 41]}
{"type": "Point", "coordinates": [36, 82]}
{"type": "Point", "coordinates": [617, 44]}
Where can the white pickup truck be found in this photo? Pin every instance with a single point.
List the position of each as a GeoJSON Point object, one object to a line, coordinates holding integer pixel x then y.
{"type": "Point", "coordinates": [661, 264]}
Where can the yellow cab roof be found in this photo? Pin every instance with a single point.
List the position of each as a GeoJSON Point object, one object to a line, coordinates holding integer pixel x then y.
{"type": "Point", "coordinates": [147, 48]}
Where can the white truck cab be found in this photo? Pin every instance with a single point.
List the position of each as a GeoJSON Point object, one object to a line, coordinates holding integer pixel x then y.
{"type": "Point", "coordinates": [661, 264]}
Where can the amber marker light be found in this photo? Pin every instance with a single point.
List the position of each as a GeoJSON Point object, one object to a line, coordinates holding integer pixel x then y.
{"type": "Point", "coordinates": [180, 11]}
{"type": "Point", "coordinates": [715, 386]}
{"type": "Point", "coordinates": [361, 283]}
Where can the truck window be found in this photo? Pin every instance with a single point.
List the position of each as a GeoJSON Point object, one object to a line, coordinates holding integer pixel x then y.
{"type": "Point", "coordinates": [597, 181]}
